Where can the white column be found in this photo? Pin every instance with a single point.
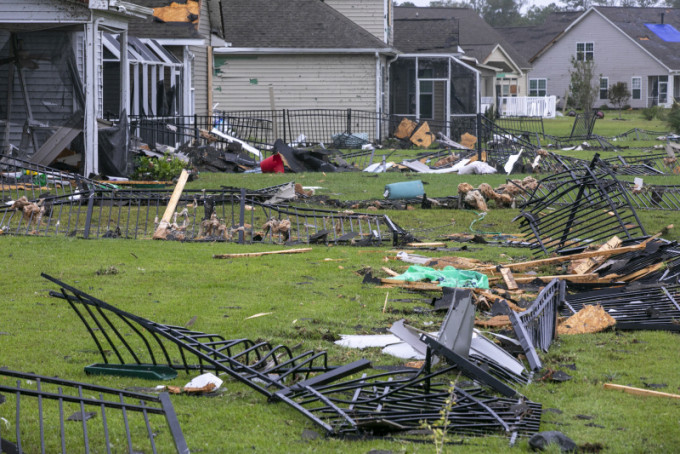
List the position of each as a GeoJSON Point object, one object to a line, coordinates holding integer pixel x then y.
{"type": "Point", "coordinates": [91, 94]}
{"type": "Point", "coordinates": [124, 73]}
{"type": "Point", "coordinates": [154, 95]}
{"type": "Point", "coordinates": [145, 89]}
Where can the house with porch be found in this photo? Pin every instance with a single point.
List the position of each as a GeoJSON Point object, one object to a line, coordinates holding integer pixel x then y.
{"type": "Point", "coordinates": [51, 74]}
{"type": "Point", "coordinates": [637, 46]}
{"type": "Point", "coordinates": [451, 62]}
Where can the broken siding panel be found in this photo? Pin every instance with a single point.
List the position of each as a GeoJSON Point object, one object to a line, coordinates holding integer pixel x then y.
{"type": "Point", "coordinates": [14, 11]}
{"type": "Point", "coordinates": [299, 82]}
{"type": "Point", "coordinates": [615, 57]}
{"type": "Point", "coordinates": [369, 14]}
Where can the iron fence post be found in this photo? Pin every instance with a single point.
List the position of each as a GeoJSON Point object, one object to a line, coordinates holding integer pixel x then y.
{"type": "Point", "coordinates": [88, 217]}
{"type": "Point", "coordinates": [349, 121]}
{"type": "Point", "coordinates": [242, 217]}
{"type": "Point", "coordinates": [479, 136]}
{"type": "Point", "coordinates": [284, 115]}
{"type": "Point", "coordinates": [196, 128]}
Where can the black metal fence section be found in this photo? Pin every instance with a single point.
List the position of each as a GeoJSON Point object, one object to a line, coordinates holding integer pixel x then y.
{"type": "Point", "coordinates": [48, 411]}
{"type": "Point", "coordinates": [653, 307]}
{"type": "Point", "coordinates": [64, 204]}
{"type": "Point", "coordinates": [645, 164]}
{"type": "Point", "coordinates": [581, 205]}
{"type": "Point", "coordinates": [380, 403]}
{"type": "Point", "coordinates": [404, 400]}
{"type": "Point", "coordinates": [259, 365]}
{"type": "Point", "coordinates": [535, 327]}
{"type": "Point", "coordinates": [529, 128]}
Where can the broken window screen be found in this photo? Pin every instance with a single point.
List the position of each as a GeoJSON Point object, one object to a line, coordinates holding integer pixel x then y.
{"type": "Point", "coordinates": [636, 87]}
{"type": "Point", "coordinates": [538, 87]}
{"type": "Point", "coordinates": [463, 89]}
{"type": "Point", "coordinates": [584, 51]}
{"type": "Point", "coordinates": [665, 32]}
{"type": "Point", "coordinates": [403, 87]}
{"type": "Point", "coordinates": [40, 85]}
{"type": "Point", "coordinates": [433, 68]}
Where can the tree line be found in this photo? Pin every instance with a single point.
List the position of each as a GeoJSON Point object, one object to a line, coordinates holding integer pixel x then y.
{"type": "Point", "coordinates": [506, 13]}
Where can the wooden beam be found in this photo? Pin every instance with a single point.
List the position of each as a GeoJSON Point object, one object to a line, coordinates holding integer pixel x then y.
{"type": "Point", "coordinates": [259, 254]}
{"type": "Point", "coordinates": [509, 279]}
{"type": "Point", "coordinates": [162, 229]}
{"type": "Point", "coordinates": [640, 391]}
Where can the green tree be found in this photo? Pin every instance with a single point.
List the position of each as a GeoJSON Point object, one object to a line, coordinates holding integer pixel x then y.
{"type": "Point", "coordinates": [581, 87]}
{"type": "Point", "coordinates": [619, 95]}
{"type": "Point", "coordinates": [536, 15]}
{"type": "Point", "coordinates": [405, 4]}
{"type": "Point", "coordinates": [501, 12]}
{"type": "Point", "coordinates": [451, 4]}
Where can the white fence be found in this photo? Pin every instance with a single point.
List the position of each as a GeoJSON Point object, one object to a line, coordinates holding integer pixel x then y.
{"type": "Point", "coordinates": [527, 106]}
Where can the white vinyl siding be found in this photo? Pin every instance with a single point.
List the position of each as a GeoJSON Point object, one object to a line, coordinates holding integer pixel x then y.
{"type": "Point", "coordinates": [636, 87]}
{"type": "Point", "coordinates": [199, 74]}
{"type": "Point", "coordinates": [368, 14]}
{"type": "Point", "coordinates": [298, 82]}
{"type": "Point", "coordinates": [34, 11]}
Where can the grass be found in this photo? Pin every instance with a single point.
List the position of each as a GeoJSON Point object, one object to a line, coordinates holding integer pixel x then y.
{"type": "Point", "coordinates": [312, 301]}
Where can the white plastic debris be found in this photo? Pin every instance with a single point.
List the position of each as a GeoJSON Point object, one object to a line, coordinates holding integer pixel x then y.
{"type": "Point", "coordinates": [204, 380]}
{"type": "Point", "coordinates": [229, 138]}
{"type": "Point", "coordinates": [511, 161]}
{"type": "Point", "coordinates": [478, 168]}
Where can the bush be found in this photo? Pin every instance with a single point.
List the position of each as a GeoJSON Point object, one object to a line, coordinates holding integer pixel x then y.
{"type": "Point", "coordinates": [673, 118]}
{"type": "Point", "coordinates": [158, 169]}
{"type": "Point", "coordinates": [649, 113]}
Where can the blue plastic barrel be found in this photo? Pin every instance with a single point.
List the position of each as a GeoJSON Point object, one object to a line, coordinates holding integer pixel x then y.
{"type": "Point", "coordinates": [404, 190]}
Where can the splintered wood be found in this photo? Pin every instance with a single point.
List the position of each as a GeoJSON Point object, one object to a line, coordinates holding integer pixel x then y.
{"type": "Point", "coordinates": [590, 319]}
{"type": "Point", "coordinates": [259, 254]}
{"type": "Point", "coordinates": [583, 266]}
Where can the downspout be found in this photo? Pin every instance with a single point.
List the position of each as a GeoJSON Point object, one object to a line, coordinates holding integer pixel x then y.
{"type": "Point", "coordinates": [378, 95]}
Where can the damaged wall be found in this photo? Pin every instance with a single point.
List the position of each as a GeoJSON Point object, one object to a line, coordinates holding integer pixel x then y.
{"type": "Point", "coordinates": [201, 66]}
{"type": "Point", "coordinates": [300, 82]}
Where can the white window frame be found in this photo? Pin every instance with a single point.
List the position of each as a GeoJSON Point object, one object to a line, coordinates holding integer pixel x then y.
{"type": "Point", "coordinates": [639, 87]}
{"type": "Point", "coordinates": [537, 90]}
{"type": "Point", "coordinates": [606, 96]}
{"type": "Point", "coordinates": [585, 54]}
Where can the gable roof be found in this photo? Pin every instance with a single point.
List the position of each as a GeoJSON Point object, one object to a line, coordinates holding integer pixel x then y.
{"type": "Point", "coordinates": [529, 40]}
{"type": "Point", "coordinates": [415, 27]}
{"type": "Point", "coordinates": [631, 21]}
{"type": "Point", "coordinates": [292, 24]}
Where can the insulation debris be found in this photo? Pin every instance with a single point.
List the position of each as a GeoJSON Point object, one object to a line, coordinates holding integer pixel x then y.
{"type": "Point", "coordinates": [590, 319]}
{"type": "Point", "coordinates": [178, 12]}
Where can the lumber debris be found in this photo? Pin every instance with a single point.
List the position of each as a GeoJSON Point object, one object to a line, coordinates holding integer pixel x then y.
{"type": "Point", "coordinates": [164, 226]}
{"type": "Point", "coordinates": [640, 391]}
{"type": "Point", "coordinates": [509, 279]}
{"type": "Point", "coordinates": [590, 319]}
{"type": "Point", "coordinates": [583, 266]}
{"type": "Point", "coordinates": [260, 254]}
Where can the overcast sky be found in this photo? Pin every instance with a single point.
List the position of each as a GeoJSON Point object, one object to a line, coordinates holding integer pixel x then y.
{"type": "Point", "coordinates": [528, 3]}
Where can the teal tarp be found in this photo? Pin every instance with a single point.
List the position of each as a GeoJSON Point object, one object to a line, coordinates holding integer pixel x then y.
{"type": "Point", "coordinates": [448, 277]}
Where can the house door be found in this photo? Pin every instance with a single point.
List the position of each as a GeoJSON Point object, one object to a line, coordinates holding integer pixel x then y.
{"type": "Point", "coordinates": [658, 90]}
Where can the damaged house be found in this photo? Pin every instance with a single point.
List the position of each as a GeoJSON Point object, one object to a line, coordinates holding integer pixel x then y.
{"type": "Point", "coordinates": [51, 77]}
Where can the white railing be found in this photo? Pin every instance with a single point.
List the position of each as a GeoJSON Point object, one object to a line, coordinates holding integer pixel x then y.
{"type": "Point", "coordinates": [528, 106]}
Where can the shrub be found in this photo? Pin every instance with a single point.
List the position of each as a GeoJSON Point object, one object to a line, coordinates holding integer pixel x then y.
{"type": "Point", "coordinates": [649, 113]}
{"type": "Point", "coordinates": [158, 169]}
{"type": "Point", "coordinates": [673, 118]}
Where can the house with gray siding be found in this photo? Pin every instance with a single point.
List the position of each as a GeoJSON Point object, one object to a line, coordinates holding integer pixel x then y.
{"type": "Point", "coordinates": [301, 54]}
{"type": "Point", "coordinates": [637, 46]}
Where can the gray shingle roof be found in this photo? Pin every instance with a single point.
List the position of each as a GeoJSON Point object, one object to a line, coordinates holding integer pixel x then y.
{"type": "Point", "coordinates": [529, 40]}
{"type": "Point", "coordinates": [152, 28]}
{"type": "Point", "coordinates": [423, 30]}
{"type": "Point", "coordinates": [632, 22]}
{"type": "Point", "coordinates": [300, 24]}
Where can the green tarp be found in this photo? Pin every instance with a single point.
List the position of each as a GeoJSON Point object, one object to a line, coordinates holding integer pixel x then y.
{"type": "Point", "coordinates": [448, 277]}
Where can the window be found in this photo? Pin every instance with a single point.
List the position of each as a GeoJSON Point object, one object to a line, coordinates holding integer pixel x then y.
{"type": "Point", "coordinates": [538, 87]}
{"type": "Point", "coordinates": [636, 85]}
{"type": "Point", "coordinates": [604, 88]}
{"type": "Point", "coordinates": [584, 51]}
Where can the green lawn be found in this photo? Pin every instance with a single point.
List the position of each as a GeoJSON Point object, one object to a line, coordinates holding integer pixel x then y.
{"type": "Point", "coordinates": [312, 300]}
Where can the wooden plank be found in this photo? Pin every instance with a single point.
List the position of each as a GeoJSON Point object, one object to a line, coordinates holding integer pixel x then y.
{"type": "Point", "coordinates": [509, 279]}
{"type": "Point", "coordinates": [588, 264]}
{"type": "Point", "coordinates": [640, 391]}
{"type": "Point", "coordinates": [162, 230]}
{"type": "Point", "coordinates": [259, 254]}
{"type": "Point", "coordinates": [576, 278]}
{"type": "Point", "coordinates": [435, 244]}
{"type": "Point", "coordinates": [389, 271]}
{"type": "Point", "coordinates": [411, 285]}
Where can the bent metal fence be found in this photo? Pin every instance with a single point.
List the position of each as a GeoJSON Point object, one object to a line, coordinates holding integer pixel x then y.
{"type": "Point", "coordinates": [38, 200]}
{"type": "Point", "coordinates": [375, 403]}
{"type": "Point", "coordinates": [47, 413]}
